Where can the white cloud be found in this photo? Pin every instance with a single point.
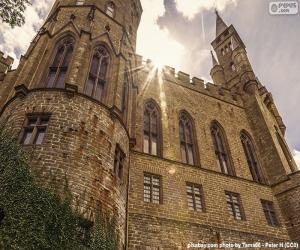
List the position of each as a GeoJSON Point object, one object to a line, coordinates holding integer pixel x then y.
{"type": "Point", "coordinates": [296, 155]}
{"type": "Point", "coordinates": [154, 43]}
{"type": "Point", "coordinates": [190, 8]}
{"type": "Point", "coordinates": [19, 38]}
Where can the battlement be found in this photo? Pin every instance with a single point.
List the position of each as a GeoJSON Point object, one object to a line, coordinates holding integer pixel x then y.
{"type": "Point", "coordinates": [5, 63]}
{"type": "Point", "coordinates": [184, 79]}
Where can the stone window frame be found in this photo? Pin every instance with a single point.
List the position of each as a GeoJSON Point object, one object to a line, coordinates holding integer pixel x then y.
{"type": "Point", "coordinates": [186, 120]}
{"type": "Point", "coordinates": [234, 205]}
{"type": "Point", "coordinates": [84, 229]}
{"type": "Point", "coordinates": [194, 195]}
{"type": "Point", "coordinates": [153, 108]}
{"type": "Point", "coordinates": [251, 157]}
{"type": "Point", "coordinates": [150, 186]}
{"type": "Point", "coordinates": [221, 148]}
{"type": "Point", "coordinates": [110, 9]}
{"type": "Point", "coordinates": [125, 95]}
{"type": "Point", "coordinates": [97, 78]}
{"type": "Point", "coordinates": [269, 212]}
{"type": "Point", "coordinates": [41, 124]}
{"type": "Point", "coordinates": [119, 162]}
{"type": "Point", "coordinates": [68, 42]}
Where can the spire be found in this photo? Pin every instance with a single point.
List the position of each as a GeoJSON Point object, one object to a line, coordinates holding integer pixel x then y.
{"type": "Point", "coordinates": [220, 24]}
{"type": "Point", "coordinates": [214, 60]}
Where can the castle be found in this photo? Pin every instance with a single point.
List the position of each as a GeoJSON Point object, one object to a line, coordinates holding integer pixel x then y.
{"type": "Point", "coordinates": [176, 160]}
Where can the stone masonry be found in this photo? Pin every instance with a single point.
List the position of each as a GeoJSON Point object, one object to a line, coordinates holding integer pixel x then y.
{"type": "Point", "coordinates": [84, 132]}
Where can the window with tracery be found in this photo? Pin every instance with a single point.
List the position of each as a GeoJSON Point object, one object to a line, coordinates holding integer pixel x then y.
{"type": "Point", "coordinates": [221, 150]}
{"type": "Point", "coordinates": [187, 140]}
{"type": "Point", "coordinates": [97, 77]}
{"type": "Point", "coordinates": [251, 158]}
{"type": "Point", "coordinates": [151, 129]}
{"type": "Point", "coordinates": [59, 68]}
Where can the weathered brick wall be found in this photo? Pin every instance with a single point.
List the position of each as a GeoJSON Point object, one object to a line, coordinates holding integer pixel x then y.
{"type": "Point", "coordinates": [150, 232]}
{"type": "Point", "coordinates": [174, 205]}
{"type": "Point", "coordinates": [79, 147]}
{"type": "Point", "coordinates": [288, 195]}
{"type": "Point", "coordinates": [204, 109]}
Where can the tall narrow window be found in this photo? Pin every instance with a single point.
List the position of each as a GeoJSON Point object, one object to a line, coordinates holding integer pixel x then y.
{"type": "Point", "coordinates": [2, 215]}
{"type": "Point", "coordinates": [234, 205]}
{"type": "Point", "coordinates": [119, 162]}
{"type": "Point", "coordinates": [151, 129]}
{"type": "Point", "coordinates": [58, 70]}
{"type": "Point", "coordinates": [195, 197]}
{"type": "Point", "coordinates": [269, 212]}
{"type": "Point", "coordinates": [152, 188]}
{"type": "Point", "coordinates": [251, 158]}
{"type": "Point", "coordinates": [125, 95]}
{"type": "Point", "coordinates": [288, 156]}
{"type": "Point", "coordinates": [110, 9]}
{"type": "Point", "coordinates": [98, 73]}
{"type": "Point", "coordinates": [187, 140]}
{"type": "Point", "coordinates": [34, 129]}
{"type": "Point", "coordinates": [221, 150]}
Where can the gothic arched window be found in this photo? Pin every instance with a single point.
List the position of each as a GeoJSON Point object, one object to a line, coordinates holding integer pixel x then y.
{"type": "Point", "coordinates": [97, 74]}
{"type": "Point", "coordinates": [221, 150]}
{"type": "Point", "coordinates": [111, 9]}
{"type": "Point", "coordinates": [187, 139]}
{"type": "Point", "coordinates": [251, 158]}
{"type": "Point", "coordinates": [152, 142]}
{"type": "Point", "coordinates": [125, 95]}
{"type": "Point", "coordinates": [58, 70]}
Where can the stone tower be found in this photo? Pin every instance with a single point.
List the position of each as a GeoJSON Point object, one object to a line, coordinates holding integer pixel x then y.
{"type": "Point", "coordinates": [176, 160]}
{"type": "Point", "coordinates": [70, 99]}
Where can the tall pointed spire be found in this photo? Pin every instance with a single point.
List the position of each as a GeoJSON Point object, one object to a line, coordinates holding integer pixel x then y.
{"type": "Point", "coordinates": [220, 24]}
{"type": "Point", "coordinates": [214, 60]}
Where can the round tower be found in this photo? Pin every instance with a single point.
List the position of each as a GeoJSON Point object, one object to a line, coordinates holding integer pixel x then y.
{"type": "Point", "coordinates": [70, 102]}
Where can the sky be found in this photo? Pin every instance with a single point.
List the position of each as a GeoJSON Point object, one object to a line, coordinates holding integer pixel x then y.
{"type": "Point", "coordinates": [179, 33]}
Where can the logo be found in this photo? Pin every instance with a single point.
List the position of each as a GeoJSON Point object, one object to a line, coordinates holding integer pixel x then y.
{"type": "Point", "coordinates": [283, 8]}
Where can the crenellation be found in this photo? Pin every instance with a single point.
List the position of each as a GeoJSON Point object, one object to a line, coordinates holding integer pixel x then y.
{"type": "Point", "coordinates": [139, 60]}
{"type": "Point", "coordinates": [183, 77]}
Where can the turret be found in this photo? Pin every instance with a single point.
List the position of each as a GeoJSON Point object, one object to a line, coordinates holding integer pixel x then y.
{"type": "Point", "coordinates": [223, 47]}
{"type": "Point", "coordinates": [5, 64]}
{"type": "Point", "coordinates": [217, 72]}
{"type": "Point", "coordinates": [77, 78]}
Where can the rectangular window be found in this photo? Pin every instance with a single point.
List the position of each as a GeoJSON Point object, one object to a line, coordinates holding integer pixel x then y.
{"type": "Point", "coordinates": [119, 162]}
{"type": "Point", "coordinates": [84, 229]}
{"type": "Point", "coordinates": [34, 129]}
{"type": "Point", "coordinates": [269, 212]}
{"type": "Point", "coordinates": [152, 188]}
{"type": "Point", "coordinates": [195, 197]}
{"type": "Point", "coordinates": [234, 205]}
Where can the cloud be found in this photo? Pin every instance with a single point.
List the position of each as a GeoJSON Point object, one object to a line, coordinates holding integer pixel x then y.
{"type": "Point", "coordinates": [154, 42]}
{"type": "Point", "coordinates": [15, 42]}
{"type": "Point", "coordinates": [190, 8]}
{"type": "Point", "coordinates": [296, 155]}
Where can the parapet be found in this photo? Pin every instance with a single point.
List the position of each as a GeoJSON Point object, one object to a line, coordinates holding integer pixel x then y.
{"type": "Point", "coordinates": [197, 84]}
{"type": "Point", "coordinates": [5, 63]}
{"type": "Point", "coordinates": [181, 78]}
